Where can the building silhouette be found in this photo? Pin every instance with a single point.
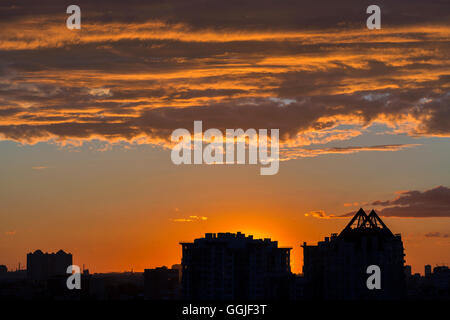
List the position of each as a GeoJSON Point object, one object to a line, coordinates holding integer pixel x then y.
{"type": "Point", "coordinates": [178, 267]}
{"type": "Point", "coordinates": [44, 266]}
{"type": "Point", "coordinates": [3, 269]}
{"type": "Point", "coordinates": [335, 269]}
{"type": "Point", "coordinates": [162, 283]}
{"type": "Point", "coordinates": [427, 270]}
{"type": "Point", "coordinates": [434, 285]}
{"type": "Point", "coordinates": [440, 279]}
{"type": "Point", "coordinates": [230, 266]}
{"type": "Point", "coordinates": [408, 271]}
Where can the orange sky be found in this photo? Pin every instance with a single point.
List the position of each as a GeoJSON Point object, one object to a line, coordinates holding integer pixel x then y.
{"type": "Point", "coordinates": [86, 117]}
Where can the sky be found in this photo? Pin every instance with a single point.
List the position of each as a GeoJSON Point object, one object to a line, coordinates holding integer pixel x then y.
{"type": "Point", "coordinates": [86, 118]}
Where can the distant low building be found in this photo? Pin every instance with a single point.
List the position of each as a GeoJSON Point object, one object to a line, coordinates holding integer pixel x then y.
{"type": "Point", "coordinates": [427, 270]}
{"type": "Point", "coordinates": [162, 284]}
{"type": "Point", "coordinates": [408, 271]}
{"type": "Point", "coordinates": [44, 266]}
{"type": "Point", "coordinates": [335, 269]}
{"type": "Point", "coordinates": [441, 280]}
{"type": "Point", "coordinates": [434, 285]}
{"type": "Point", "coordinates": [178, 267]}
{"type": "Point", "coordinates": [117, 285]}
{"type": "Point", "coordinates": [228, 266]}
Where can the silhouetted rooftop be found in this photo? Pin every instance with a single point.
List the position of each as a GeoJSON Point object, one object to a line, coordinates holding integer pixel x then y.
{"type": "Point", "coordinates": [234, 239]}
{"type": "Point", "coordinates": [363, 224]}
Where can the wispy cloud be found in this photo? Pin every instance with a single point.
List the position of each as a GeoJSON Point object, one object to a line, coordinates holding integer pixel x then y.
{"type": "Point", "coordinates": [437, 235]}
{"type": "Point", "coordinates": [190, 219]}
{"type": "Point", "coordinates": [351, 204]}
{"type": "Point", "coordinates": [39, 167]}
{"type": "Point", "coordinates": [292, 153]}
{"type": "Point", "coordinates": [320, 214]}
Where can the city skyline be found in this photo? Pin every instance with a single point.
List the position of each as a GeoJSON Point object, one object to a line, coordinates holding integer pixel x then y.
{"type": "Point", "coordinates": [86, 117]}
{"type": "Point", "coordinates": [225, 234]}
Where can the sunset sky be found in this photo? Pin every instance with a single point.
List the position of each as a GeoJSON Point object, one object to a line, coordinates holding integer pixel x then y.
{"type": "Point", "coordinates": [86, 117]}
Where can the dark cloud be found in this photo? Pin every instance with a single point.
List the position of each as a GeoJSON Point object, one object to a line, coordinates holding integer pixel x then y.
{"type": "Point", "coordinates": [351, 149]}
{"type": "Point", "coordinates": [246, 113]}
{"type": "Point", "coordinates": [430, 203]}
{"type": "Point", "coordinates": [242, 13]}
{"type": "Point", "coordinates": [437, 235]}
{"type": "Point", "coordinates": [433, 203]}
{"type": "Point", "coordinates": [298, 66]}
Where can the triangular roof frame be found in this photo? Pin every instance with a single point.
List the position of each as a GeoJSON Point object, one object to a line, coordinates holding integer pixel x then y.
{"type": "Point", "coordinates": [377, 220]}
{"type": "Point", "coordinates": [364, 221]}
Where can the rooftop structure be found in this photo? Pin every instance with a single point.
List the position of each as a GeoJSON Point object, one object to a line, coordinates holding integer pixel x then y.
{"type": "Point", "coordinates": [335, 268]}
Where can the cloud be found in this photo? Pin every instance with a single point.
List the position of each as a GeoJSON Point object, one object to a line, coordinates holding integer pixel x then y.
{"type": "Point", "coordinates": [39, 168]}
{"type": "Point", "coordinates": [100, 92]}
{"type": "Point", "coordinates": [181, 220]}
{"type": "Point", "coordinates": [252, 14]}
{"type": "Point", "coordinates": [437, 235]}
{"type": "Point", "coordinates": [388, 147]}
{"type": "Point", "coordinates": [10, 233]}
{"type": "Point", "coordinates": [320, 214]}
{"type": "Point", "coordinates": [432, 203]}
{"type": "Point", "coordinates": [351, 204]}
{"type": "Point", "coordinates": [190, 219]}
{"type": "Point", "coordinates": [292, 153]}
{"type": "Point", "coordinates": [136, 77]}
{"type": "Point", "coordinates": [429, 203]}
